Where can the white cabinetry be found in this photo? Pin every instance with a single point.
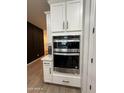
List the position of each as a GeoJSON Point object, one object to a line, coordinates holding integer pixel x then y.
{"type": "Point", "coordinates": [74, 15]}
{"type": "Point", "coordinates": [66, 16]}
{"type": "Point", "coordinates": [47, 70]}
{"type": "Point", "coordinates": [48, 21]}
{"type": "Point", "coordinates": [67, 80]}
{"type": "Point", "coordinates": [89, 56]}
{"type": "Point", "coordinates": [51, 76]}
{"type": "Point", "coordinates": [92, 54]}
{"type": "Point", "coordinates": [57, 17]}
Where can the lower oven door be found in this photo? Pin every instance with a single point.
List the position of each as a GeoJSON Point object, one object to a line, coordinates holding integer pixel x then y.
{"type": "Point", "coordinates": [66, 62]}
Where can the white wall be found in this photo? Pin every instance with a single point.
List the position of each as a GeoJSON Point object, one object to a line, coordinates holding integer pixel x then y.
{"type": "Point", "coordinates": [35, 12]}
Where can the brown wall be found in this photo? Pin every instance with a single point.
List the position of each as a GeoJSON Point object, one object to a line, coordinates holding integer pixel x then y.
{"type": "Point", "coordinates": [35, 43]}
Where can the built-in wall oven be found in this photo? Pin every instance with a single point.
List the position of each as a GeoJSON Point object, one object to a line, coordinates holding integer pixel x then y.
{"type": "Point", "coordinates": [66, 53]}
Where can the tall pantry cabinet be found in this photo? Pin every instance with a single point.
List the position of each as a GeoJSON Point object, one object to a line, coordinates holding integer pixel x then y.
{"type": "Point", "coordinates": [89, 47]}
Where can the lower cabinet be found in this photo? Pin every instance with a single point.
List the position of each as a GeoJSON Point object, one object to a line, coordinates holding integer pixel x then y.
{"type": "Point", "coordinates": [69, 81]}
{"type": "Point", "coordinates": [50, 77]}
{"type": "Point", "coordinates": [47, 70]}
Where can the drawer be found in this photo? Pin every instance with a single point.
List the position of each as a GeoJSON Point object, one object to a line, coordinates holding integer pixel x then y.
{"type": "Point", "coordinates": [69, 81]}
{"type": "Point", "coordinates": [47, 64]}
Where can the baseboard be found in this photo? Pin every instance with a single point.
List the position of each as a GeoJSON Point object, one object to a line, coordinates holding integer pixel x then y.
{"type": "Point", "coordinates": [34, 60]}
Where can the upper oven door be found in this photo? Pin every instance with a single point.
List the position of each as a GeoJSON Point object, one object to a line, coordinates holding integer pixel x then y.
{"type": "Point", "coordinates": [66, 44]}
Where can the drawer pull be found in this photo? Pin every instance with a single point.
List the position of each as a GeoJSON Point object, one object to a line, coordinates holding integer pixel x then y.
{"type": "Point", "coordinates": [46, 63]}
{"type": "Point", "coordinates": [65, 81]}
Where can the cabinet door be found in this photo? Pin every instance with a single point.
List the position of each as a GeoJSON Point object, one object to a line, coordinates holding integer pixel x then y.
{"type": "Point", "coordinates": [47, 75]}
{"type": "Point", "coordinates": [57, 17]}
{"type": "Point", "coordinates": [49, 28]}
{"type": "Point", "coordinates": [47, 70]}
{"type": "Point", "coordinates": [74, 15]}
{"type": "Point", "coordinates": [92, 51]}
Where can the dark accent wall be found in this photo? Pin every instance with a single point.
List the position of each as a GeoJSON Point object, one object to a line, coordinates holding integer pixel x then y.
{"type": "Point", "coordinates": [35, 43]}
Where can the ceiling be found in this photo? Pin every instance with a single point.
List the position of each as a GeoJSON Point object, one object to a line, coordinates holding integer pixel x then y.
{"type": "Point", "coordinates": [35, 12]}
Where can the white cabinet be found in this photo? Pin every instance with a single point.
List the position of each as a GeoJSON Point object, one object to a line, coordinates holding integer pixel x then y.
{"type": "Point", "coordinates": [47, 71]}
{"type": "Point", "coordinates": [66, 16]}
{"type": "Point", "coordinates": [92, 51]}
{"type": "Point", "coordinates": [48, 21]}
{"type": "Point", "coordinates": [67, 80]}
{"type": "Point", "coordinates": [74, 15]}
{"type": "Point", "coordinates": [57, 17]}
{"type": "Point", "coordinates": [51, 76]}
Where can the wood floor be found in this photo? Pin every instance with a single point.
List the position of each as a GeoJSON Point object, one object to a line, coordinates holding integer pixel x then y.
{"type": "Point", "coordinates": [36, 85]}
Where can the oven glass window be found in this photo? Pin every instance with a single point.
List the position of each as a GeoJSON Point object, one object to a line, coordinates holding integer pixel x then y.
{"type": "Point", "coordinates": [62, 61]}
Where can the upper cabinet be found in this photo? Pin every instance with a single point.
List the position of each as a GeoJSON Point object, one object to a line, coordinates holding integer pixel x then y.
{"type": "Point", "coordinates": [66, 16]}
{"type": "Point", "coordinates": [73, 15]}
{"type": "Point", "coordinates": [48, 21]}
{"type": "Point", "coordinates": [57, 17]}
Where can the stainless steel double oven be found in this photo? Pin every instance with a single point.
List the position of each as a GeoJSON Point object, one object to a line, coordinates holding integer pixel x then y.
{"type": "Point", "coordinates": [66, 53]}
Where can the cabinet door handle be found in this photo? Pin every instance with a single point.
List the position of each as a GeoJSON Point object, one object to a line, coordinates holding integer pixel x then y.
{"type": "Point", "coordinates": [67, 24]}
{"type": "Point", "coordinates": [63, 24]}
{"type": "Point", "coordinates": [93, 30]}
{"type": "Point", "coordinates": [91, 60]}
{"type": "Point", "coordinates": [65, 81]}
{"type": "Point", "coordinates": [50, 70]}
{"type": "Point", "coordinates": [90, 87]}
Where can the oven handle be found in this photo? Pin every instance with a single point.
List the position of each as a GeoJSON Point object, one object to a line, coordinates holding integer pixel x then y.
{"type": "Point", "coordinates": [66, 50]}
{"type": "Point", "coordinates": [66, 41]}
{"type": "Point", "coordinates": [67, 54]}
